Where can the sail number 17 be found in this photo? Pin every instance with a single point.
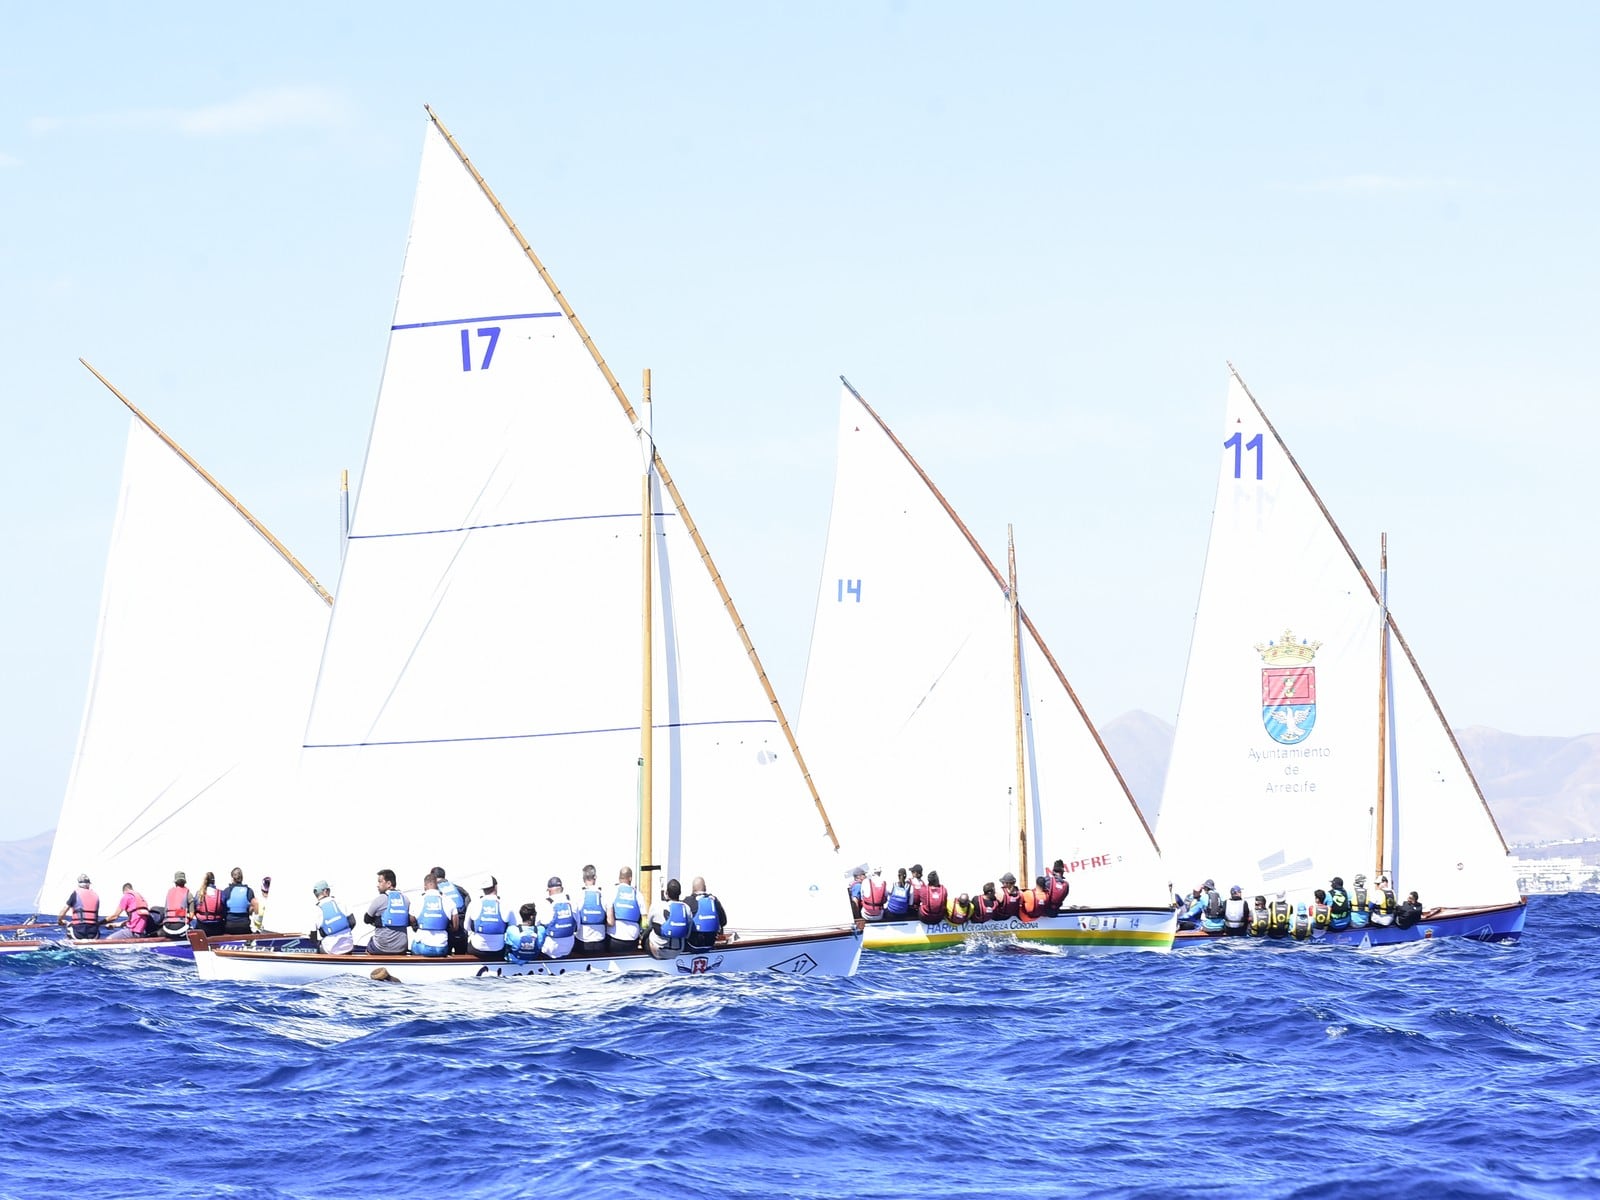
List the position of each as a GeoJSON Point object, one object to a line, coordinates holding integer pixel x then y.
{"type": "Point", "coordinates": [492, 333]}
{"type": "Point", "coordinates": [1238, 445]}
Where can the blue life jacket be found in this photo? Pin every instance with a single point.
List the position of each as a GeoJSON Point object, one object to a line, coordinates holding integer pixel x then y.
{"type": "Point", "coordinates": [593, 911]}
{"type": "Point", "coordinates": [675, 925]}
{"type": "Point", "coordinates": [625, 906]}
{"type": "Point", "coordinates": [446, 888]}
{"type": "Point", "coordinates": [432, 916]}
{"type": "Point", "coordinates": [333, 921]}
{"type": "Point", "coordinates": [524, 946]}
{"type": "Point", "coordinates": [489, 919]}
{"type": "Point", "coordinates": [237, 900]}
{"type": "Point", "coordinates": [562, 923]}
{"type": "Point", "coordinates": [705, 915]}
{"type": "Point", "coordinates": [899, 901]}
{"type": "Point", "coordinates": [398, 914]}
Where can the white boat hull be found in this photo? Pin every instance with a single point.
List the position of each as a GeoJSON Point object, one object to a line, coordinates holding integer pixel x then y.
{"type": "Point", "coordinates": [814, 952]}
{"type": "Point", "coordinates": [1082, 931]}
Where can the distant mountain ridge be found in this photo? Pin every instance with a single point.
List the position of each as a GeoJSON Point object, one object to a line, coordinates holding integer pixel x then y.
{"type": "Point", "coordinates": [1541, 789]}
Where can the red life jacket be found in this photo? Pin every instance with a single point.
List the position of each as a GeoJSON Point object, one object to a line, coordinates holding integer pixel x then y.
{"type": "Point", "coordinates": [177, 906]}
{"type": "Point", "coordinates": [1006, 908]}
{"type": "Point", "coordinates": [959, 913]}
{"type": "Point", "coordinates": [1059, 887]}
{"type": "Point", "coordinates": [932, 909]}
{"type": "Point", "coordinates": [208, 905]}
{"type": "Point", "coordinates": [874, 891]}
{"type": "Point", "coordinates": [984, 908]}
{"type": "Point", "coordinates": [87, 902]}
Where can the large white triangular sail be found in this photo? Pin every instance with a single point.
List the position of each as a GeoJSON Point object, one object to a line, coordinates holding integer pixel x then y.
{"type": "Point", "coordinates": [203, 666]}
{"type": "Point", "coordinates": [1273, 780]}
{"type": "Point", "coordinates": [908, 714]}
{"type": "Point", "coordinates": [478, 705]}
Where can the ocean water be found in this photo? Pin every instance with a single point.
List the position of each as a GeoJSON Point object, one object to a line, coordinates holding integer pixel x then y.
{"type": "Point", "coordinates": [1449, 1069]}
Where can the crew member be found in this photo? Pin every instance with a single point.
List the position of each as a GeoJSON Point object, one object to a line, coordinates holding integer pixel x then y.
{"type": "Point", "coordinates": [624, 915]}
{"type": "Point", "coordinates": [333, 928]}
{"type": "Point", "coordinates": [874, 896]}
{"type": "Point", "coordinates": [591, 914]}
{"type": "Point", "coordinates": [707, 919]}
{"type": "Point", "coordinates": [1280, 916]}
{"type": "Point", "coordinates": [431, 921]}
{"type": "Point", "coordinates": [239, 903]}
{"type": "Point", "coordinates": [561, 930]}
{"type": "Point", "coordinates": [83, 907]}
{"type": "Point", "coordinates": [1214, 919]}
{"type": "Point", "coordinates": [180, 907]}
{"type": "Point", "coordinates": [389, 912]}
{"type": "Point", "coordinates": [208, 907]}
{"type": "Point", "coordinates": [1235, 913]}
{"type": "Point", "coordinates": [486, 922]}
{"type": "Point", "coordinates": [133, 913]}
{"type": "Point", "coordinates": [935, 901]}
{"type": "Point", "coordinates": [1382, 904]}
{"type": "Point", "coordinates": [1338, 905]}
{"type": "Point", "coordinates": [669, 928]}
{"type": "Point", "coordinates": [522, 939]}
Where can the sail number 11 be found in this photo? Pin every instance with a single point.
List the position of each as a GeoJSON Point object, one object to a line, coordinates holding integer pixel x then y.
{"type": "Point", "coordinates": [1238, 445]}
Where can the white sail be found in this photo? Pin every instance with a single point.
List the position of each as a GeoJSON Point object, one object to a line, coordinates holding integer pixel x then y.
{"type": "Point", "coordinates": [1273, 780]}
{"type": "Point", "coordinates": [908, 715]}
{"type": "Point", "coordinates": [203, 667]}
{"type": "Point", "coordinates": [478, 704]}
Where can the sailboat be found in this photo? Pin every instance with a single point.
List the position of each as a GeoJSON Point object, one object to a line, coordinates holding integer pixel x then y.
{"type": "Point", "coordinates": [502, 690]}
{"type": "Point", "coordinates": [204, 661]}
{"type": "Point", "coordinates": [1309, 744]}
{"type": "Point", "coordinates": [941, 727]}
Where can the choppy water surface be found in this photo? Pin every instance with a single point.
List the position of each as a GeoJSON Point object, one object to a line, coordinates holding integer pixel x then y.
{"type": "Point", "coordinates": [1444, 1069]}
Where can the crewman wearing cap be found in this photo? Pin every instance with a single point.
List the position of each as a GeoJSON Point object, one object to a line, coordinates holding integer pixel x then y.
{"type": "Point", "coordinates": [180, 907]}
{"type": "Point", "coordinates": [83, 908]}
{"type": "Point", "coordinates": [1235, 913]}
{"type": "Point", "coordinates": [1358, 903]}
{"type": "Point", "coordinates": [1215, 919]}
{"type": "Point", "coordinates": [488, 918]}
{"type": "Point", "coordinates": [1338, 905]}
{"type": "Point", "coordinates": [1008, 898]}
{"type": "Point", "coordinates": [332, 927]}
{"type": "Point", "coordinates": [561, 930]}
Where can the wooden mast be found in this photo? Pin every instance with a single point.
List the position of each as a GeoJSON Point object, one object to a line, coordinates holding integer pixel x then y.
{"type": "Point", "coordinates": [1383, 697]}
{"type": "Point", "coordinates": [660, 469]}
{"type": "Point", "coordinates": [647, 696]}
{"type": "Point", "coordinates": [244, 512]}
{"type": "Point", "coordinates": [1023, 878]}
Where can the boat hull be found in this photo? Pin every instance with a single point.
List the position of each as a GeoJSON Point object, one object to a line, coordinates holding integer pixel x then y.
{"type": "Point", "coordinates": [1086, 931]}
{"type": "Point", "coordinates": [166, 947]}
{"type": "Point", "coordinates": [1499, 924]}
{"type": "Point", "coordinates": [824, 952]}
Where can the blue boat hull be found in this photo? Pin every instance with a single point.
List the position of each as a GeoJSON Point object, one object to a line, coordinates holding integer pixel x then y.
{"type": "Point", "coordinates": [1479, 924]}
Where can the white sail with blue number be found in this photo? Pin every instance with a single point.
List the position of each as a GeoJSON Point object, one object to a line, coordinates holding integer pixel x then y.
{"type": "Point", "coordinates": [478, 704]}
{"type": "Point", "coordinates": [909, 716]}
{"type": "Point", "coordinates": [1294, 761]}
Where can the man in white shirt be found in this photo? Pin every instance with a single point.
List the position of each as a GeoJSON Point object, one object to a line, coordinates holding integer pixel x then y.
{"type": "Point", "coordinates": [487, 920]}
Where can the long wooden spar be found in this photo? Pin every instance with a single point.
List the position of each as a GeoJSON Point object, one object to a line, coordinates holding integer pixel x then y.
{"type": "Point", "coordinates": [660, 466]}
{"type": "Point", "coordinates": [244, 512]}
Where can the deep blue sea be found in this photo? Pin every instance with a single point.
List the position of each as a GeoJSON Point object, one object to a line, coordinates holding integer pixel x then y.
{"type": "Point", "coordinates": [1449, 1069]}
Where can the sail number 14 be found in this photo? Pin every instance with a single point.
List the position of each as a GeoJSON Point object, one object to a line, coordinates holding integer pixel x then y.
{"type": "Point", "coordinates": [1238, 445]}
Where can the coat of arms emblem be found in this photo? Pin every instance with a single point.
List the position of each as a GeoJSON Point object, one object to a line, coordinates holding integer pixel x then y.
{"type": "Point", "coordinates": [1288, 688]}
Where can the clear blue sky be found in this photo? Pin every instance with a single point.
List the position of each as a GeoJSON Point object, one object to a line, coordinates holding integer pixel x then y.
{"type": "Point", "coordinates": [1031, 234]}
